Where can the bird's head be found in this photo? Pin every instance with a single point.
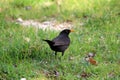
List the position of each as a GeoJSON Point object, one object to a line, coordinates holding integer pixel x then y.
{"type": "Point", "coordinates": [66, 31]}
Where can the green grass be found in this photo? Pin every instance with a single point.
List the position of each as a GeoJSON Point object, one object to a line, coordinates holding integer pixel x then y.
{"type": "Point", "coordinates": [34, 60]}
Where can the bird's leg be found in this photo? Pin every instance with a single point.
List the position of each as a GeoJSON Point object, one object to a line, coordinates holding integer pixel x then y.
{"type": "Point", "coordinates": [60, 58]}
{"type": "Point", "coordinates": [55, 53]}
{"type": "Point", "coordinates": [62, 53]}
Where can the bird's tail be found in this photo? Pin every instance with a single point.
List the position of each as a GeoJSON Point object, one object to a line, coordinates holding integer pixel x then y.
{"type": "Point", "coordinates": [48, 41]}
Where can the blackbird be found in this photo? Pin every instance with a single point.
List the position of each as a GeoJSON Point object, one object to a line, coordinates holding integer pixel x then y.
{"type": "Point", "coordinates": [61, 42]}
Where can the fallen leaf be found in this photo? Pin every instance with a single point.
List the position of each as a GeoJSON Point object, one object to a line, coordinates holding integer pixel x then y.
{"type": "Point", "coordinates": [92, 61]}
{"type": "Point", "coordinates": [26, 39]}
{"type": "Point", "coordinates": [71, 58]}
{"type": "Point", "coordinates": [85, 74]}
{"type": "Point", "coordinates": [111, 74]}
{"type": "Point", "coordinates": [87, 59]}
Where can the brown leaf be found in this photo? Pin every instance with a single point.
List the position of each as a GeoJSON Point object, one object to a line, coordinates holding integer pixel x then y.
{"type": "Point", "coordinates": [85, 74]}
{"type": "Point", "coordinates": [92, 61]}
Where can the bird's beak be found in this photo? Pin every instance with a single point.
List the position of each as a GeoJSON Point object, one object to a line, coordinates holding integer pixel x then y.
{"type": "Point", "coordinates": [71, 30]}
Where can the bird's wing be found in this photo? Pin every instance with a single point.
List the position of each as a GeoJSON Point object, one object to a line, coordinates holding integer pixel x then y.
{"type": "Point", "coordinates": [60, 44]}
{"type": "Point", "coordinates": [61, 41]}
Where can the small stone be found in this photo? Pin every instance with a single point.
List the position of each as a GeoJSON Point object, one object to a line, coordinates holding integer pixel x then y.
{"type": "Point", "coordinates": [87, 58]}
{"type": "Point", "coordinates": [90, 54]}
{"type": "Point", "coordinates": [23, 79]}
{"type": "Point", "coordinates": [19, 20]}
{"type": "Point", "coordinates": [56, 73]}
{"type": "Point", "coordinates": [28, 7]}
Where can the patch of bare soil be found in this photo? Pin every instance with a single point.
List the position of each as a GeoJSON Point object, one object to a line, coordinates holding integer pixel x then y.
{"type": "Point", "coordinates": [46, 25]}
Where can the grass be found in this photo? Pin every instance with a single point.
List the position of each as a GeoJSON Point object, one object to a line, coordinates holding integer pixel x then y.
{"type": "Point", "coordinates": [24, 54]}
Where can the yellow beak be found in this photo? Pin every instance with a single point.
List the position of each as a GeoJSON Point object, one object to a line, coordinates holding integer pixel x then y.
{"type": "Point", "coordinates": [71, 30]}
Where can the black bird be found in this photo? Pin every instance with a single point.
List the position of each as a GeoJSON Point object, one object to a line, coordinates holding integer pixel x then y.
{"type": "Point", "coordinates": [61, 42]}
